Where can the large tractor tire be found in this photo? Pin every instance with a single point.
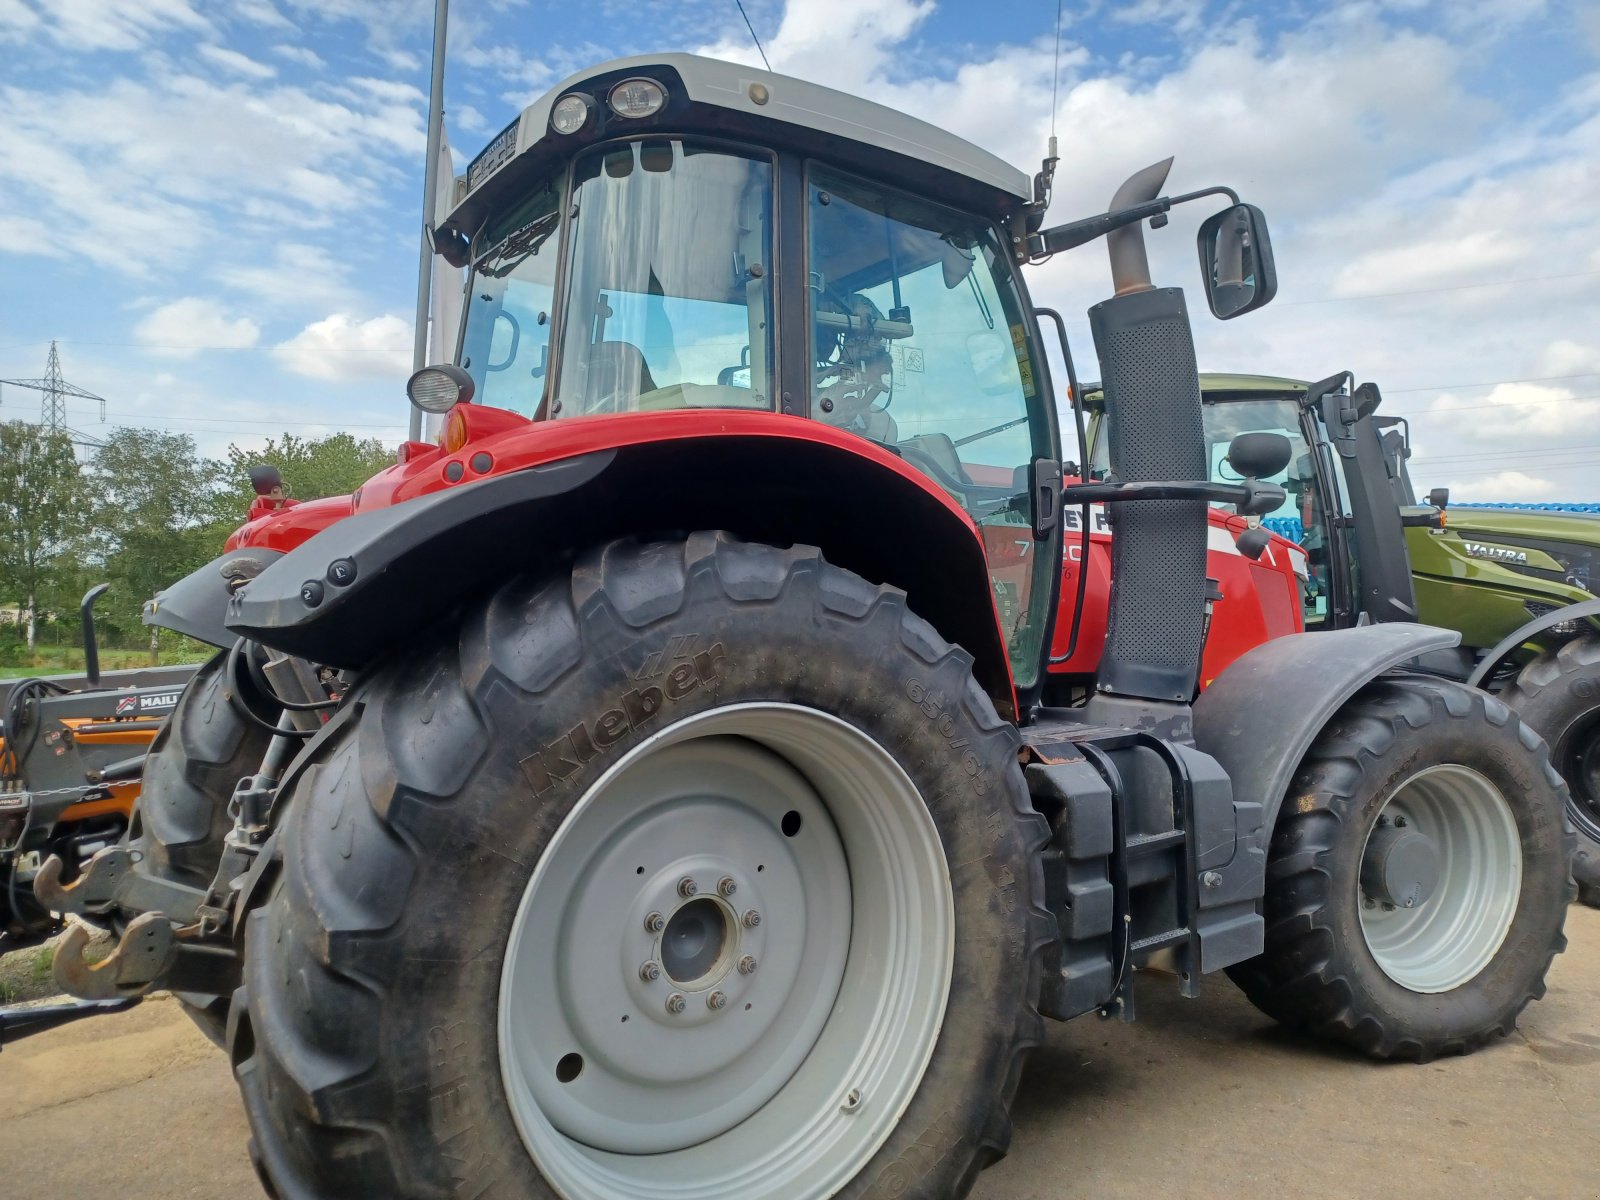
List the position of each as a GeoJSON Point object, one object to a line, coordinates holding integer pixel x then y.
{"type": "Point", "coordinates": [1417, 881]}
{"type": "Point", "coordinates": [704, 869]}
{"type": "Point", "coordinates": [1558, 694]}
{"type": "Point", "coordinates": [182, 816]}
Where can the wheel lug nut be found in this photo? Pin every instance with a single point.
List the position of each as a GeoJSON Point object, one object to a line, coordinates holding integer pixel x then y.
{"type": "Point", "coordinates": [747, 965]}
{"type": "Point", "coordinates": [686, 887]}
{"type": "Point", "coordinates": [675, 1003]}
{"type": "Point", "coordinates": [655, 923]}
{"type": "Point", "coordinates": [752, 919]}
{"type": "Point", "coordinates": [649, 972]}
{"type": "Point", "coordinates": [726, 886]}
{"type": "Point", "coordinates": [716, 1000]}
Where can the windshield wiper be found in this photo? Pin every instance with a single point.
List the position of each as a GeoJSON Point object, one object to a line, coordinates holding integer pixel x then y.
{"type": "Point", "coordinates": [519, 247]}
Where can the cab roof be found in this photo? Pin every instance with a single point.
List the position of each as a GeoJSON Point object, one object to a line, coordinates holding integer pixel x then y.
{"type": "Point", "coordinates": [715, 96]}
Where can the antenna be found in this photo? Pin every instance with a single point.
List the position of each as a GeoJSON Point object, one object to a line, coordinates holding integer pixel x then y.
{"type": "Point", "coordinates": [753, 36]}
{"type": "Point", "coordinates": [1044, 181]}
{"type": "Point", "coordinates": [53, 404]}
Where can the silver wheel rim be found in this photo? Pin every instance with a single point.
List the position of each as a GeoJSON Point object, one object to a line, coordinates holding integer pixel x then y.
{"type": "Point", "coordinates": [787, 1047]}
{"type": "Point", "coordinates": [1451, 936]}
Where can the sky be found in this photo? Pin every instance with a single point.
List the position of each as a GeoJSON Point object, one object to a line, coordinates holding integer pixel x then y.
{"type": "Point", "coordinates": [213, 205]}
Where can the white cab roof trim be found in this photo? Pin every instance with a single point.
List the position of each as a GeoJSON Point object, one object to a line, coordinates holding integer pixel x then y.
{"type": "Point", "coordinates": [810, 105]}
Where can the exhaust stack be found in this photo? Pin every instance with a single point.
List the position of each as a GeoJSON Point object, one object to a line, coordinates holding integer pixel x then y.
{"type": "Point", "coordinates": [1158, 558]}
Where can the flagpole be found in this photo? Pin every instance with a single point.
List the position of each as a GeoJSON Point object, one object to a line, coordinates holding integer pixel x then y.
{"type": "Point", "coordinates": [430, 192]}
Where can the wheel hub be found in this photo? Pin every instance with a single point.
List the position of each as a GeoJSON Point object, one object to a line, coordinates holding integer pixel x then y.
{"type": "Point", "coordinates": [1400, 867]}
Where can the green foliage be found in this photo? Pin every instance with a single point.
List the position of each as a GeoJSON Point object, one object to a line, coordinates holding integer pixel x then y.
{"type": "Point", "coordinates": [155, 516]}
{"type": "Point", "coordinates": [146, 510]}
{"type": "Point", "coordinates": [311, 467]}
{"type": "Point", "coordinates": [42, 502]}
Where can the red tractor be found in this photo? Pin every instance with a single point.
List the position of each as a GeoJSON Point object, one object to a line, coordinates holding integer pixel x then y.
{"type": "Point", "coordinates": [648, 791]}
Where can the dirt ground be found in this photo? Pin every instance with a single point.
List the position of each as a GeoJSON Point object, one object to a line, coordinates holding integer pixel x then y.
{"type": "Point", "coordinates": [1200, 1098]}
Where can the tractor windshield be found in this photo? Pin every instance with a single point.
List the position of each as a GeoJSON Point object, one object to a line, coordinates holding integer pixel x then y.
{"type": "Point", "coordinates": [666, 302]}
{"type": "Point", "coordinates": [506, 340]}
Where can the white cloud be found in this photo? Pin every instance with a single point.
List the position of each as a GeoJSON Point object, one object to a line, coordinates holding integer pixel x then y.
{"type": "Point", "coordinates": [261, 12]}
{"type": "Point", "coordinates": [96, 25]}
{"type": "Point", "coordinates": [341, 347]}
{"type": "Point", "coordinates": [1506, 485]}
{"type": "Point", "coordinates": [299, 277]}
{"type": "Point", "coordinates": [1565, 357]}
{"type": "Point", "coordinates": [239, 64]}
{"type": "Point", "coordinates": [303, 55]}
{"type": "Point", "coordinates": [184, 327]}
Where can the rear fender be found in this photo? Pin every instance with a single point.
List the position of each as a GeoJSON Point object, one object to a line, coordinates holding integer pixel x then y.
{"type": "Point", "coordinates": [1586, 610]}
{"type": "Point", "coordinates": [1262, 714]}
{"type": "Point", "coordinates": [367, 583]}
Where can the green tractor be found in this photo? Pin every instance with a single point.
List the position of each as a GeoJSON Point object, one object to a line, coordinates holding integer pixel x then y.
{"type": "Point", "coordinates": [1518, 585]}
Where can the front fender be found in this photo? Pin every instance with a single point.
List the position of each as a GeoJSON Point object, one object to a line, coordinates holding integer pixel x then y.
{"type": "Point", "coordinates": [1262, 714]}
{"type": "Point", "coordinates": [197, 605]}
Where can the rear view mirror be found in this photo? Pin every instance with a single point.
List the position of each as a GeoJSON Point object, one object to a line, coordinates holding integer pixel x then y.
{"type": "Point", "coordinates": [1236, 261]}
{"type": "Point", "coordinates": [1367, 399]}
{"type": "Point", "coordinates": [1259, 454]}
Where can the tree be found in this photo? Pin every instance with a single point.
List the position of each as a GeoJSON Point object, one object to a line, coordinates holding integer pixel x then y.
{"type": "Point", "coordinates": [157, 506]}
{"type": "Point", "coordinates": [312, 467]}
{"type": "Point", "coordinates": [42, 504]}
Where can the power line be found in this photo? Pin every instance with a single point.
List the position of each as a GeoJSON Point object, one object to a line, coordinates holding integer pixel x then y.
{"type": "Point", "coordinates": [753, 36]}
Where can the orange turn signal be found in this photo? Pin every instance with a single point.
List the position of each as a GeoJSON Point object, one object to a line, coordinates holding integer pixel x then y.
{"type": "Point", "coordinates": [454, 434]}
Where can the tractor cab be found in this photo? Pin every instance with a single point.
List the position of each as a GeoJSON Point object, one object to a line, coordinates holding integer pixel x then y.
{"type": "Point", "coordinates": [674, 235]}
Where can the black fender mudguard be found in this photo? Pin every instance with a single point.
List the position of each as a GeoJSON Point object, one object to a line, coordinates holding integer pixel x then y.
{"type": "Point", "coordinates": [1261, 715]}
{"type": "Point", "coordinates": [197, 605]}
{"type": "Point", "coordinates": [1584, 609]}
{"type": "Point", "coordinates": [346, 593]}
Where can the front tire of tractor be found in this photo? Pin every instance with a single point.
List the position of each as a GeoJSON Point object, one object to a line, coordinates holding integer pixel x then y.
{"type": "Point", "coordinates": [1558, 694]}
{"type": "Point", "coordinates": [704, 869]}
{"type": "Point", "coordinates": [181, 818]}
{"type": "Point", "coordinates": [1416, 882]}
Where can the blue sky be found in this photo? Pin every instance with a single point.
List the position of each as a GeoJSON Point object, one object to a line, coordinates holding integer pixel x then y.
{"type": "Point", "coordinates": [213, 204]}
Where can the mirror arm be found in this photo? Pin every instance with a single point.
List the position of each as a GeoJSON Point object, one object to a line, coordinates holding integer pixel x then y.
{"type": "Point", "coordinates": [1079, 233]}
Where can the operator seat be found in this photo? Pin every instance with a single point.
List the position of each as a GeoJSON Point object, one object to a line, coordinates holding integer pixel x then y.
{"type": "Point", "coordinates": [615, 374]}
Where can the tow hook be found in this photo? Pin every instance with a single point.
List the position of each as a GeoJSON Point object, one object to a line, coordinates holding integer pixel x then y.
{"type": "Point", "coordinates": [146, 951]}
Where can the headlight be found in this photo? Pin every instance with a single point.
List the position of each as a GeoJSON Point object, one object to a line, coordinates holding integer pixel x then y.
{"type": "Point", "coordinates": [438, 389]}
{"type": "Point", "coordinates": [571, 113]}
{"type": "Point", "coordinates": [634, 98]}
{"type": "Point", "coordinates": [1570, 628]}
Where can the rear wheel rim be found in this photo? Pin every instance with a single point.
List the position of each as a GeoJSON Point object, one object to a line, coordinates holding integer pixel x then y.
{"type": "Point", "coordinates": [658, 1041]}
{"type": "Point", "coordinates": [1452, 935]}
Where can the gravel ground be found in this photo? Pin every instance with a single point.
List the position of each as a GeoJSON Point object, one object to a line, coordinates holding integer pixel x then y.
{"type": "Point", "coordinates": [1200, 1098]}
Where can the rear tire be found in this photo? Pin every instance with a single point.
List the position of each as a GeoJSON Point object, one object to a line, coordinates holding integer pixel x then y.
{"type": "Point", "coordinates": [1558, 694]}
{"type": "Point", "coordinates": [1455, 971]}
{"type": "Point", "coordinates": [181, 818]}
{"type": "Point", "coordinates": [390, 1037]}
